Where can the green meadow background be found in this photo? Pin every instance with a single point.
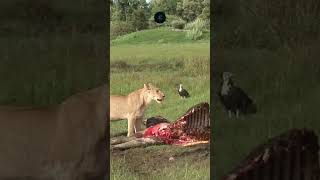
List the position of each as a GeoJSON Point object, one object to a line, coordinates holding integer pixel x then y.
{"type": "Point", "coordinates": [50, 50]}
{"type": "Point", "coordinates": [164, 58]}
{"type": "Point", "coordinates": [273, 48]}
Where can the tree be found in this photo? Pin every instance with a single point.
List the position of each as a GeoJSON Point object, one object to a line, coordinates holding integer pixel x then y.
{"type": "Point", "coordinates": [139, 19]}
{"type": "Point", "coordinates": [205, 14]}
{"type": "Point", "coordinates": [189, 10]}
{"type": "Point", "coordinates": [123, 9]}
{"type": "Point", "coordinates": [168, 6]}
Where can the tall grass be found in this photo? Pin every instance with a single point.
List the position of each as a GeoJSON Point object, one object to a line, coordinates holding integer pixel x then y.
{"type": "Point", "coordinates": [197, 24]}
{"type": "Point", "coordinates": [196, 29]}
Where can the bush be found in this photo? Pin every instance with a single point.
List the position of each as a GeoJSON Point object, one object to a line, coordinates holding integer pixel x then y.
{"type": "Point", "coordinates": [194, 34]}
{"type": "Point", "coordinates": [196, 28]}
{"type": "Point", "coordinates": [197, 24]}
{"type": "Point", "coordinates": [168, 23]}
{"type": "Point", "coordinates": [119, 28]}
{"type": "Point", "coordinates": [139, 19]}
{"type": "Point", "coordinates": [178, 24]}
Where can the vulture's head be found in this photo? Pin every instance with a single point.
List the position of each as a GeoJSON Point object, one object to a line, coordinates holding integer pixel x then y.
{"type": "Point", "coordinates": [226, 76]}
{"type": "Point", "coordinates": [227, 82]}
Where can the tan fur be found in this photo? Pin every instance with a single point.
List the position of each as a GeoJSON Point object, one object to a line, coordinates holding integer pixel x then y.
{"type": "Point", "coordinates": [132, 106]}
{"type": "Point", "coordinates": [63, 142]}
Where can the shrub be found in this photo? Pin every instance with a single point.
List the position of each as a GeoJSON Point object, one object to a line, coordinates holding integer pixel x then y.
{"type": "Point", "coordinates": [194, 34]}
{"type": "Point", "coordinates": [139, 19]}
{"type": "Point", "coordinates": [168, 23]}
{"type": "Point", "coordinates": [197, 24]}
{"type": "Point", "coordinates": [178, 24]}
{"type": "Point", "coordinates": [196, 29]}
{"type": "Point", "coordinates": [119, 28]}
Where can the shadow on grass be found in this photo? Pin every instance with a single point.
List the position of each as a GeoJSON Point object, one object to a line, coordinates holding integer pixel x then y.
{"type": "Point", "coordinates": [122, 66]}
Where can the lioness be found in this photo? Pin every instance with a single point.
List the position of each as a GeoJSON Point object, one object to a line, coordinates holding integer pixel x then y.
{"type": "Point", "coordinates": [62, 142]}
{"type": "Point", "coordinates": [132, 106]}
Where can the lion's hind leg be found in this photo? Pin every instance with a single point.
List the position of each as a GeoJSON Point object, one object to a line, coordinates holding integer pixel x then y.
{"type": "Point", "coordinates": [138, 125]}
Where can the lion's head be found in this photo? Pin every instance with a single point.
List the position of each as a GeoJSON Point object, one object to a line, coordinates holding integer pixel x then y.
{"type": "Point", "coordinates": [153, 93]}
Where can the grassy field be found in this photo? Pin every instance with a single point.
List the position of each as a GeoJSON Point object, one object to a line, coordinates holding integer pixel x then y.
{"type": "Point", "coordinates": [45, 70]}
{"type": "Point", "coordinates": [47, 52]}
{"type": "Point", "coordinates": [286, 90]}
{"type": "Point", "coordinates": [164, 63]}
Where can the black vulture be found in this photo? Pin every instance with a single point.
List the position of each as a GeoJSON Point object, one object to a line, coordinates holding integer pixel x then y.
{"type": "Point", "coordinates": [234, 99]}
{"type": "Point", "coordinates": [155, 120]}
{"type": "Point", "coordinates": [182, 92]}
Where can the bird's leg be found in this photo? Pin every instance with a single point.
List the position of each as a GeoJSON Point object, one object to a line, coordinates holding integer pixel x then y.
{"type": "Point", "coordinates": [230, 114]}
{"type": "Point", "coordinates": [237, 113]}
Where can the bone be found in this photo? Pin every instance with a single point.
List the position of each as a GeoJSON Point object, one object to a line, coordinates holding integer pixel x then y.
{"type": "Point", "coordinates": [137, 142]}
{"type": "Point", "coordinates": [290, 156]}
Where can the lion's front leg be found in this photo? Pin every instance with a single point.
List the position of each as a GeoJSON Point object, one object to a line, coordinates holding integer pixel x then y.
{"type": "Point", "coordinates": [131, 124]}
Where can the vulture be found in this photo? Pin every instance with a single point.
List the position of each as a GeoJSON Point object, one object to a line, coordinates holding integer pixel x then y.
{"type": "Point", "coordinates": [234, 99]}
{"type": "Point", "coordinates": [182, 92]}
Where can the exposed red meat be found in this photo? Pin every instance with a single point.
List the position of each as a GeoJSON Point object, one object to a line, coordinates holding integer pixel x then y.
{"type": "Point", "coordinates": [192, 127]}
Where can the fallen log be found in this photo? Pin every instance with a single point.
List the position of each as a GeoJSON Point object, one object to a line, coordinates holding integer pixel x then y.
{"type": "Point", "coordinates": [121, 139]}
{"type": "Point", "coordinates": [123, 143]}
{"type": "Point", "coordinates": [135, 142]}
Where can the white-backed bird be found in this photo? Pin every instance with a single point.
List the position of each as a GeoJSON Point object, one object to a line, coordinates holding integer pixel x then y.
{"type": "Point", "coordinates": [182, 92]}
{"type": "Point", "coordinates": [234, 99]}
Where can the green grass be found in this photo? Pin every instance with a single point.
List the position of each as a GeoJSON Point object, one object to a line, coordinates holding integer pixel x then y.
{"type": "Point", "coordinates": [164, 65]}
{"type": "Point", "coordinates": [153, 163]}
{"type": "Point", "coordinates": [285, 89]}
{"type": "Point", "coordinates": [158, 36]}
{"type": "Point", "coordinates": [46, 69]}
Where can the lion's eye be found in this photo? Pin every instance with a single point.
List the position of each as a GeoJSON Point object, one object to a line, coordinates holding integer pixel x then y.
{"type": "Point", "coordinates": [157, 91]}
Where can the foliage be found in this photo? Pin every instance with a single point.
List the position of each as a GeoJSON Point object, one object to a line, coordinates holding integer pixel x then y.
{"type": "Point", "coordinates": [196, 29]}
{"type": "Point", "coordinates": [178, 24]}
{"type": "Point", "coordinates": [194, 34]}
{"type": "Point", "coordinates": [167, 6]}
{"type": "Point", "coordinates": [141, 14]}
{"type": "Point", "coordinates": [119, 28]}
{"type": "Point", "coordinates": [268, 24]}
{"type": "Point", "coordinates": [167, 23]}
{"type": "Point", "coordinates": [123, 10]}
{"type": "Point", "coordinates": [205, 14]}
{"type": "Point", "coordinates": [139, 19]}
{"type": "Point", "coordinates": [191, 9]}
{"type": "Point", "coordinates": [197, 24]}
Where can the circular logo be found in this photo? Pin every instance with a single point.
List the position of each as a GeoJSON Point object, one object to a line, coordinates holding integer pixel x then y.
{"type": "Point", "coordinates": [160, 17]}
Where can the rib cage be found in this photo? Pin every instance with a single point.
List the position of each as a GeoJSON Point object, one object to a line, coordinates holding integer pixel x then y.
{"type": "Point", "coordinates": [197, 117]}
{"type": "Point", "coordinates": [290, 156]}
{"type": "Point", "coordinates": [197, 121]}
